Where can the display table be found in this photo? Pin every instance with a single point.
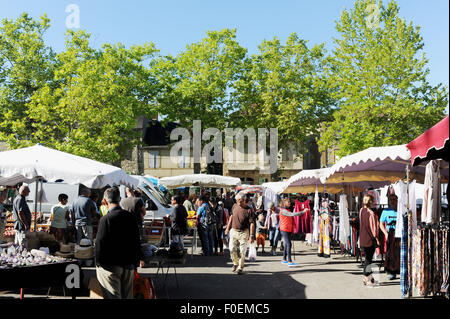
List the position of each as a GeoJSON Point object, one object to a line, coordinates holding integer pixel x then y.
{"type": "Point", "coordinates": [49, 275]}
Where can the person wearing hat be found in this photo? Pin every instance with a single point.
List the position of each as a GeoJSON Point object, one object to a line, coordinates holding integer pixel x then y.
{"type": "Point", "coordinates": [117, 249]}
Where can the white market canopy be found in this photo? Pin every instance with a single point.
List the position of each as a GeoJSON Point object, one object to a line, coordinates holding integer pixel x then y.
{"type": "Point", "coordinates": [386, 164]}
{"type": "Point", "coordinates": [204, 180]}
{"type": "Point", "coordinates": [40, 162]}
{"type": "Point", "coordinates": [276, 187]}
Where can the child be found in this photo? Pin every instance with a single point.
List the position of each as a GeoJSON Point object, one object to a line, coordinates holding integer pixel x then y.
{"type": "Point", "coordinates": [260, 232]}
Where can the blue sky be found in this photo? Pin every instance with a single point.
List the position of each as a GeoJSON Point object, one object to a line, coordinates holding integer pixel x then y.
{"type": "Point", "coordinates": [171, 25]}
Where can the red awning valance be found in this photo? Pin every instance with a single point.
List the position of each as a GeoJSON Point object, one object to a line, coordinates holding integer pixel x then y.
{"type": "Point", "coordinates": [433, 144]}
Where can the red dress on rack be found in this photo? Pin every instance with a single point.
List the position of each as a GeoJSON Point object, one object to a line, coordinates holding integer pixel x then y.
{"type": "Point", "coordinates": [303, 222]}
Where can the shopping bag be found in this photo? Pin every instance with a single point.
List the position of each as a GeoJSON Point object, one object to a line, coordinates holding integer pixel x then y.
{"type": "Point", "coordinates": [141, 287]}
{"type": "Point", "coordinates": [252, 253]}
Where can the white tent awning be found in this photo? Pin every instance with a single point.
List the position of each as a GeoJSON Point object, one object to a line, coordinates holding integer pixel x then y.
{"type": "Point", "coordinates": [31, 163]}
{"type": "Point", "coordinates": [205, 180]}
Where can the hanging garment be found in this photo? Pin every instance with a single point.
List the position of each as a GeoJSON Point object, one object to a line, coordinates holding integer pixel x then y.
{"type": "Point", "coordinates": [404, 258]}
{"type": "Point", "coordinates": [335, 228]}
{"type": "Point", "coordinates": [297, 208]}
{"type": "Point", "coordinates": [344, 225]}
{"type": "Point", "coordinates": [316, 221]}
{"type": "Point", "coordinates": [431, 206]}
{"type": "Point", "coordinates": [401, 192]}
{"type": "Point", "coordinates": [324, 249]}
{"type": "Point", "coordinates": [306, 218]}
{"type": "Point", "coordinates": [392, 261]}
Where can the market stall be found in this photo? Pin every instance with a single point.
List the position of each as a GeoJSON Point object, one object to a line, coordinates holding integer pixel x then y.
{"type": "Point", "coordinates": [35, 164]}
{"type": "Point", "coordinates": [385, 166]}
{"type": "Point", "coordinates": [429, 240]}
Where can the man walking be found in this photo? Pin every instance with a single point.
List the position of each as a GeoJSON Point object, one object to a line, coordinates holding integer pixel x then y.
{"type": "Point", "coordinates": [241, 221]}
{"type": "Point", "coordinates": [117, 249]}
{"type": "Point", "coordinates": [22, 216]}
{"type": "Point", "coordinates": [83, 212]}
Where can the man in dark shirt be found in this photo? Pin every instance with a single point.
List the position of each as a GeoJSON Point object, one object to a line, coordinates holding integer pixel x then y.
{"type": "Point", "coordinates": [241, 222]}
{"type": "Point", "coordinates": [22, 216]}
{"type": "Point", "coordinates": [229, 202]}
{"type": "Point", "coordinates": [135, 205]}
{"type": "Point", "coordinates": [83, 212]}
{"type": "Point", "coordinates": [117, 249]}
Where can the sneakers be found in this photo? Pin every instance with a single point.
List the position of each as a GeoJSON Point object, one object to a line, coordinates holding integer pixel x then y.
{"type": "Point", "coordinates": [239, 271]}
{"type": "Point", "coordinates": [285, 262]}
{"type": "Point", "coordinates": [274, 253]}
{"type": "Point", "coordinates": [234, 268]}
{"type": "Point", "coordinates": [291, 264]}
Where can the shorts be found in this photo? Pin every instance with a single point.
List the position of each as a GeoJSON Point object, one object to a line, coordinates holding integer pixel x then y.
{"type": "Point", "coordinates": [260, 239]}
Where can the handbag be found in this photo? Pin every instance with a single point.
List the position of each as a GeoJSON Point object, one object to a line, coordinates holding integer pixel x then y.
{"type": "Point", "coordinates": [143, 288]}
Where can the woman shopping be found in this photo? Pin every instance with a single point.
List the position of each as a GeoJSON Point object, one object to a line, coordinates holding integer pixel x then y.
{"type": "Point", "coordinates": [286, 229]}
{"type": "Point", "coordinates": [368, 237]}
{"type": "Point", "coordinates": [59, 217]}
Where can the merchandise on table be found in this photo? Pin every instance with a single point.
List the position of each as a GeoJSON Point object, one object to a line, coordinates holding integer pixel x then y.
{"type": "Point", "coordinates": [12, 257]}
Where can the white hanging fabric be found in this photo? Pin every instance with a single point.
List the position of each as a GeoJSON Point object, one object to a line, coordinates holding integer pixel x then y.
{"type": "Point", "coordinates": [316, 218]}
{"type": "Point", "coordinates": [431, 197]}
{"type": "Point", "coordinates": [344, 224]}
{"type": "Point", "coordinates": [400, 189]}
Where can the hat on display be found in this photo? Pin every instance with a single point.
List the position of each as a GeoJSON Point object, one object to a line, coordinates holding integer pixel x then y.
{"type": "Point", "coordinates": [65, 251]}
{"type": "Point", "coordinates": [85, 250]}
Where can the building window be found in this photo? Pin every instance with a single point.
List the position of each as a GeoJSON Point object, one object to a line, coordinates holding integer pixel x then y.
{"type": "Point", "coordinates": [183, 161]}
{"type": "Point", "coordinates": [153, 159]}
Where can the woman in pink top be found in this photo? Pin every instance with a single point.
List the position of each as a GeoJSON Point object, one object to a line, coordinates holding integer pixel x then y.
{"type": "Point", "coordinates": [368, 236]}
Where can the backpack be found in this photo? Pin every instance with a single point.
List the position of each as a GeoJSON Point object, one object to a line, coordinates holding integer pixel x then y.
{"type": "Point", "coordinates": [210, 217]}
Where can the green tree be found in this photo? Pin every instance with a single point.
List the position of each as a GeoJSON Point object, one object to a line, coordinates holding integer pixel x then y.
{"type": "Point", "coordinates": [26, 65]}
{"type": "Point", "coordinates": [284, 87]}
{"type": "Point", "coordinates": [96, 96]}
{"type": "Point", "coordinates": [378, 76]}
{"type": "Point", "coordinates": [196, 84]}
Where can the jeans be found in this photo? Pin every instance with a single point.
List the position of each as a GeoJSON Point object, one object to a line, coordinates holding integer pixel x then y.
{"type": "Point", "coordinates": [207, 239]}
{"type": "Point", "coordinates": [274, 236]}
{"type": "Point", "coordinates": [218, 243]}
{"type": "Point", "coordinates": [287, 246]}
{"type": "Point", "coordinates": [368, 251]}
{"type": "Point", "coordinates": [116, 282]}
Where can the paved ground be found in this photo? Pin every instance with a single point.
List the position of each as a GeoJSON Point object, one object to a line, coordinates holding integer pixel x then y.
{"type": "Point", "coordinates": [339, 277]}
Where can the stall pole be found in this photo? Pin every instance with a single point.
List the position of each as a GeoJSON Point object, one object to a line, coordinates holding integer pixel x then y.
{"type": "Point", "coordinates": [409, 233]}
{"type": "Point", "coordinates": [35, 204]}
{"type": "Point", "coordinates": [40, 197]}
